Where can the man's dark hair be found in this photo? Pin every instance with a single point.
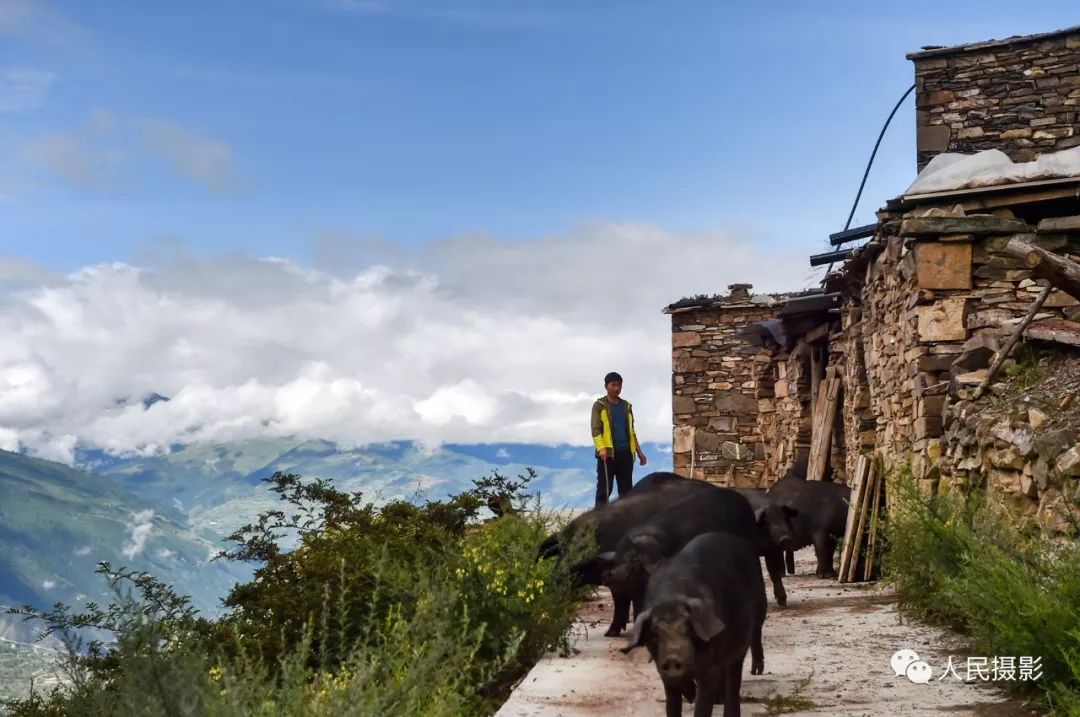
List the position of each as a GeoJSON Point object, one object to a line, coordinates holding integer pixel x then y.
{"type": "Point", "coordinates": [612, 377]}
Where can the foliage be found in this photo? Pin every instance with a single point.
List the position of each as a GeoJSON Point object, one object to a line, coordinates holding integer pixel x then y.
{"type": "Point", "coordinates": [397, 609]}
{"type": "Point", "coordinates": [965, 563]}
{"type": "Point", "coordinates": [1025, 370]}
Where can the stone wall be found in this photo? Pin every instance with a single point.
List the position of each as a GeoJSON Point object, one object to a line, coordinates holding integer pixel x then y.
{"type": "Point", "coordinates": [875, 350]}
{"type": "Point", "coordinates": [857, 417]}
{"type": "Point", "coordinates": [933, 300]}
{"type": "Point", "coordinates": [1020, 96]}
{"type": "Point", "coordinates": [783, 409]}
{"type": "Point", "coordinates": [715, 387]}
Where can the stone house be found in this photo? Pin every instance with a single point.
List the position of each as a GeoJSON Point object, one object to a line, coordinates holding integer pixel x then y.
{"type": "Point", "coordinates": [886, 357]}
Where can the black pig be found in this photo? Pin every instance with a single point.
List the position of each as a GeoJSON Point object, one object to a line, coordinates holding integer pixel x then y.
{"type": "Point", "coordinates": [641, 550]}
{"type": "Point", "coordinates": [705, 609]}
{"type": "Point", "coordinates": [609, 523]}
{"type": "Point", "coordinates": [802, 512]}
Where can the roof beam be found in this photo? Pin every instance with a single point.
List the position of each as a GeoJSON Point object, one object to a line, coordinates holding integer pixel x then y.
{"type": "Point", "coordinates": [830, 257]}
{"type": "Point", "coordinates": [852, 234]}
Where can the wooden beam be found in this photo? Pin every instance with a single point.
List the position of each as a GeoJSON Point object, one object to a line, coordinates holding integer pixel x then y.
{"type": "Point", "coordinates": [994, 196]}
{"type": "Point", "coordinates": [852, 234]}
{"type": "Point", "coordinates": [1052, 225]}
{"type": "Point", "coordinates": [1059, 271]}
{"type": "Point", "coordinates": [817, 333]}
{"type": "Point", "coordinates": [823, 420]}
{"type": "Point", "coordinates": [999, 360]}
{"type": "Point", "coordinates": [830, 257]}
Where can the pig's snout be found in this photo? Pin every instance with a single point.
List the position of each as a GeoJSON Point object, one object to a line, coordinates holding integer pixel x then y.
{"type": "Point", "coordinates": [672, 668]}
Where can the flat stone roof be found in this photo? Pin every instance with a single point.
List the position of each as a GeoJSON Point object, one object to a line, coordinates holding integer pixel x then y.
{"type": "Point", "coordinates": [989, 44]}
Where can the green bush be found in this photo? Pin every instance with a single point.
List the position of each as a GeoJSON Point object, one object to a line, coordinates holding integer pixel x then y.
{"type": "Point", "coordinates": [969, 564]}
{"type": "Point", "coordinates": [401, 609]}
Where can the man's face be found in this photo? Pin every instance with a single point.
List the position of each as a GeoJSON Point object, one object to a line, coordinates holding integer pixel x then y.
{"type": "Point", "coordinates": [614, 388]}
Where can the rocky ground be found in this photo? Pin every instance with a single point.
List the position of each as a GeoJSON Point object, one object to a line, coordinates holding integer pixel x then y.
{"type": "Point", "coordinates": [827, 653]}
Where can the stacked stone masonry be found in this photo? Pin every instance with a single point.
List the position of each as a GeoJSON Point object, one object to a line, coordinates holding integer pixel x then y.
{"type": "Point", "coordinates": [936, 308]}
{"type": "Point", "coordinates": [718, 388]}
{"type": "Point", "coordinates": [923, 309]}
{"type": "Point", "coordinates": [1020, 96]}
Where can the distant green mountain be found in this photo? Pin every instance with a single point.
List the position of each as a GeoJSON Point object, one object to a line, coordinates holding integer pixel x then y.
{"type": "Point", "coordinates": [57, 523]}
{"type": "Point", "coordinates": [219, 485]}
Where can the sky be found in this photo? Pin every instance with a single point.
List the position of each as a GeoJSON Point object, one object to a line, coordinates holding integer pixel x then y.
{"type": "Point", "coordinates": [446, 221]}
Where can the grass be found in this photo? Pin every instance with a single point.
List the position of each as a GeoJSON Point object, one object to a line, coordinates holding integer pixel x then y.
{"type": "Point", "coordinates": [776, 704]}
{"type": "Point", "coordinates": [1026, 371]}
{"type": "Point", "coordinates": [968, 564]}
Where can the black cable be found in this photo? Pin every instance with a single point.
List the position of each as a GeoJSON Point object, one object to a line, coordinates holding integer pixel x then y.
{"type": "Point", "coordinates": [862, 184]}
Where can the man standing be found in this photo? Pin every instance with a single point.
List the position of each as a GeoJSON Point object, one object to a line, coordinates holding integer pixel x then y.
{"type": "Point", "coordinates": [615, 440]}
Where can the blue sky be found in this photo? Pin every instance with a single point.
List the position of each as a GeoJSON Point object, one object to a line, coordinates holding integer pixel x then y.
{"type": "Point", "coordinates": [413, 120]}
{"type": "Point", "coordinates": [367, 220]}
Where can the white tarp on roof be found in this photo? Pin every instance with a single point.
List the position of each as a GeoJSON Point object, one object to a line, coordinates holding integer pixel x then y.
{"type": "Point", "coordinates": [951, 170]}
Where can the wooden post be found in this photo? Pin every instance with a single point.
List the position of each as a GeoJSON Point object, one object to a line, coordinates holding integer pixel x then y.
{"type": "Point", "coordinates": [862, 466]}
{"type": "Point", "coordinates": [1004, 353]}
{"type": "Point", "coordinates": [856, 548]}
{"type": "Point", "coordinates": [875, 516]}
{"type": "Point", "coordinates": [824, 416]}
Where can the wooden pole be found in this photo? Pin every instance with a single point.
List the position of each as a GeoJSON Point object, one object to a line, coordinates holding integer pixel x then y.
{"type": "Point", "coordinates": [1004, 353]}
{"type": "Point", "coordinates": [1059, 271]}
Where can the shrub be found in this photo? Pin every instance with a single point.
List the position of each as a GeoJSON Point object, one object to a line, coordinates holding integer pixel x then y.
{"type": "Point", "coordinates": [967, 563]}
{"type": "Point", "coordinates": [401, 609]}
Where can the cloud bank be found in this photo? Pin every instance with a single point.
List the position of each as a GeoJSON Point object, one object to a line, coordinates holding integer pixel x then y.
{"type": "Point", "coordinates": [467, 340]}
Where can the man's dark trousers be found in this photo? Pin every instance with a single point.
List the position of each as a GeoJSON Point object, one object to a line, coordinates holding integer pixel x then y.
{"type": "Point", "coordinates": [620, 471]}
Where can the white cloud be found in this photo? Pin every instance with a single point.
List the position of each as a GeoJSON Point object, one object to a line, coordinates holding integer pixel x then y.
{"type": "Point", "coordinates": [200, 159]}
{"type": "Point", "coordinates": [24, 89]}
{"type": "Point", "coordinates": [107, 152]}
{"type": "Point", "coordinates": [164, 554]}
{"type": "Point", "coordinates": [83, 551]}
{"type": "Point", "coordinates": [48, 584]}
{"type": "Point", "coordinates": [502, 453]}
{"type": "Point", "coordinates": [474, 340]}
{"type": "Point", "coordinates": [139, 530]}
{"type": "Point", "coordinates": [9, 440]}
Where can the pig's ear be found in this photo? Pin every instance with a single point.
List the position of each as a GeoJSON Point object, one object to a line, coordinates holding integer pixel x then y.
{"type": "Point", "coordinates": [596, 563]}
{"type": "Point", "coordinates": [789, 511]}
{"type": "Point", "coordinates": [605, 560]}
{"type": "Point", "coordinates": [648, 552]}
{"type": "Point", "coordinates": [640, 633]}
{"type": "Point", "coordinates": [703, 619]}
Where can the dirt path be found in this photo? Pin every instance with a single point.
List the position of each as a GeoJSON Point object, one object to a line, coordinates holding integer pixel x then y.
{"type": "Point", "coordinates": [827, 653]}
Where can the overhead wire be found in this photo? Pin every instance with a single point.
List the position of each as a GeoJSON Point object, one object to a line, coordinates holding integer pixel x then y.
{"type": "Point", "coordinates": [869, 164]}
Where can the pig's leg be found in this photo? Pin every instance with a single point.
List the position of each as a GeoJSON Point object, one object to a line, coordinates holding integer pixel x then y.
{"type": "Point", "coordinates": [824, 548]}
{"type": "Point", "coordinates": [789, 561]}
{"type": "Point", "coordinates": [689, 690]}
{"type": "Point", "coordinates": [757, 652]}
{"type": "Point", "coordinates": [732, 685]}
{"type": "Point", "coordinates": [709, 693]}
{"type": "Point", "coordinates": [672, 700]}
{"type": "Point", "coordinates": [774, 563]}
{"type": "Point", "coordinates": [638, 602]}
{"type": "Point", "coordinates": [621, 616]}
